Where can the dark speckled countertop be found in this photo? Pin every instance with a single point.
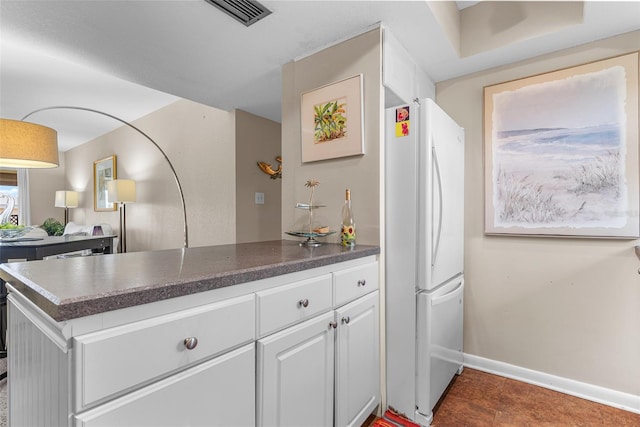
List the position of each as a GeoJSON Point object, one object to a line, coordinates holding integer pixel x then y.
{"type": "Point", "coordinates": [77, 287]}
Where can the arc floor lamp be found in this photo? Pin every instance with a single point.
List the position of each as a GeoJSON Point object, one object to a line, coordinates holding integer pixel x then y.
{"type": "Point", "coordinates": [147, 137]}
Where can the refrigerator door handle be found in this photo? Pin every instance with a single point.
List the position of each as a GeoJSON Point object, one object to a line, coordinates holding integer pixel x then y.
{"type": "Point", "coordinates": [434, 254]}
{"type": "Point", "coordinates": [448, 296]}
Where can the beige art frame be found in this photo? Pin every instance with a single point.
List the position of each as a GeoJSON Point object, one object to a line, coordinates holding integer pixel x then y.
{"type": "Point", "coordinates": [561, 152]}
{"type": "Point", "coordinates": [103, 170]}
{"type": "Point", "coordinates": [331, 120]}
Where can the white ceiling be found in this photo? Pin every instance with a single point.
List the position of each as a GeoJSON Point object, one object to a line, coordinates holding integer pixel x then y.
{"type": "Point", "coordinates": [106, 55]}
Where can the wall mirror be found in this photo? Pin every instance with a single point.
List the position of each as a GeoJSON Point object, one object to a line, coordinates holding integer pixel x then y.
{"type": "Point", "coordinates": [103, 170]}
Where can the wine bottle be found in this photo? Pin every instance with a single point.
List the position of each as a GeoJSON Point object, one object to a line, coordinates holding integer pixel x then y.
{"type": "Point", "coordinates": [348, 231]}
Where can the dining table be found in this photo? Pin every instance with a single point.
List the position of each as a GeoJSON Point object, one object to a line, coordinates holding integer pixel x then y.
{"type": "Point", "coordinates": [37, 248]}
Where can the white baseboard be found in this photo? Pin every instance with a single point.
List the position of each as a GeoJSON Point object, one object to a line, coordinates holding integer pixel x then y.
{"type": "Point", "coordinates": [628, 402]}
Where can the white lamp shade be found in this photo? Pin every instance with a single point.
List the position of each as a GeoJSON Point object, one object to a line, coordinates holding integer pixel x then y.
{"type": "Point", "coordinates": [121, 191]}
{"type": "Point", "coordinates": [66, 199]}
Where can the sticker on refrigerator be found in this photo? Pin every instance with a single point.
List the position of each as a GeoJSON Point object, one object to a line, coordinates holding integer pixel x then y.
{"type": "Point", "coordinates": [402, 121]}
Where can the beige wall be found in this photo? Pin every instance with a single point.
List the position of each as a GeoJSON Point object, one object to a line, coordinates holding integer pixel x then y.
{"type": "Point", "coordinates": [566, 307]}
{"type": "Point", "coordinates": [257, 139]}
{"type": "Point", "coordinates": [199, 141]}
{"type": "Point", "coordinates": [359, 55]}
{"type": "Point", "coordinates": [43, 184]}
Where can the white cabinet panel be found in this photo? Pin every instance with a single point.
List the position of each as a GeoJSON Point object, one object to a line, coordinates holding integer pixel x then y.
{"type": "Point", "coordinates": [289, 304]}
{"type": "Point", "coordinates": [114, 360]}
{"type": "Point", "coordinates": [352, 283]}
{"type": "Point", "coordinates": [295, 375]}
{"type": "Point", "coordinates": [402, 78]}
{"type": "Point", "coordinates": [194, 397]}
{"type": "Point", "coordinates": [398, 71]}
{"type": "Point", "coordinates": [357, 361]}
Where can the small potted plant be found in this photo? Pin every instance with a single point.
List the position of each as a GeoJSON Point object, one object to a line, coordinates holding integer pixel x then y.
{"type": "Point", "coordinates": [53, 227]}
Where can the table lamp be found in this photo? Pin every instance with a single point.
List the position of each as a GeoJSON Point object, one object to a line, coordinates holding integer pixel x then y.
{"type": "Point", "coordinates": [66, 199]}
{"type": "Point", "coordinates": [122, 191]}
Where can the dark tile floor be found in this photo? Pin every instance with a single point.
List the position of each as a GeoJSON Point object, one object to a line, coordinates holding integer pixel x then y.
{"type": "Point", "coordinates": [476, 398]}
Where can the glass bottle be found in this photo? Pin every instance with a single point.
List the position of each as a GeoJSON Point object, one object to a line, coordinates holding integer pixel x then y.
{"type": "Point", "coordinates": [348, 230]}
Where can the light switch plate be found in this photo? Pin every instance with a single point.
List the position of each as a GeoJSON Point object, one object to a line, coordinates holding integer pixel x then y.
{"type": "Point", "coordinates": [259, 198]}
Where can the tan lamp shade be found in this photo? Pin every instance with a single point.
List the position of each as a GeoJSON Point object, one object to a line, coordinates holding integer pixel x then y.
{"type": "Point", "coordinates": [27, 145]}
{"type": "Point", "coordinates": [66, 199]}
{"type": "Point", "coordinates": [121, 191]}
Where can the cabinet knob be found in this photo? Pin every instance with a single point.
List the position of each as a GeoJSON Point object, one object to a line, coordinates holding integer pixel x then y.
{"type": "Point", "coordinates": [190, 343]}
{"type": "Point", "coordinates": [362, 282]}
{"type": "Point", "coordinates": [346, 320]}
{"type": "Point", "coordinates": [333, 325]}
{"type": "Point", "coordinates": [303, 303]}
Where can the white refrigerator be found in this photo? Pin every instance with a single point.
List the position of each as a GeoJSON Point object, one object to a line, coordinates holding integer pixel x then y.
{"type": "Point", "coordinates": [424, 256]}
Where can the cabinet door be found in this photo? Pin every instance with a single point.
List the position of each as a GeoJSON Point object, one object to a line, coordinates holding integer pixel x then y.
{"type": "Point", "coordinates": [357, 361]}
{"type": "Point", "coordinates": [295, 375]}
{"type": "Point", "coordinates": [219, 392]}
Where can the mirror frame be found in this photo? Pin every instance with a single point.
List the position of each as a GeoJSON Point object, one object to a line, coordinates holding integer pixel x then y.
{"type": "Point", "coordinates": [103, 170]}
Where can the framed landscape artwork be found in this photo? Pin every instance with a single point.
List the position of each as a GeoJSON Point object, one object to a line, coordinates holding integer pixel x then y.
{"type": "Point", "coordinates": [103, 170]}
{"type": "Point", "coordinates": [561, 152]}
{"type": "Point", "coordinates": [331, 121]}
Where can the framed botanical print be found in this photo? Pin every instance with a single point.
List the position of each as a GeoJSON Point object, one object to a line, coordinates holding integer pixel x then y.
{"type": "Point", "coordinates": [331, 120]}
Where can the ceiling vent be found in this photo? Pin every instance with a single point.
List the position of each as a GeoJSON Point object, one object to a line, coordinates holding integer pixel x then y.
{"type": "Point", "coordinates": [246, 11]}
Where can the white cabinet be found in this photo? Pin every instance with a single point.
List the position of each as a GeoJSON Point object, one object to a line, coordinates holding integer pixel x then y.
{"type": "Point", "coordinates": [289, 304]}
{"type": "Point", "coordinates": [402, 78]}
{"type": "Point", "coordinates": [114, 360]}
{"type": "Point", "coordinates": [352, 283]}
{"type": "Point", "coordinates": [219, 392]}
{"type": "Point", "coordinates": [290, 350]}
{"type": "Point", "coordinates": [295, 375]}
{"type": "Point", "coordinates": [190, 367]}
{"type": "Point", "coordinates": [357, 361]}
{"type": "Point", "coordinates": [325, 370]}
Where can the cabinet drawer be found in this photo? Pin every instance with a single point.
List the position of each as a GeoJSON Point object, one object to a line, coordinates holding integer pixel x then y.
{"type": "Point", "coordinates": [288, 304]}
{"type": "Point", "coordinates": [217, 393]}
{"type": "Point", "coordinates": [118, 359]}
{"type": "Point", "coordinates": [352, 283]}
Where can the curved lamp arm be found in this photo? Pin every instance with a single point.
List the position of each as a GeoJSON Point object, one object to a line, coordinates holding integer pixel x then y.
{"type": "Point", "coordinates": [175, 175]}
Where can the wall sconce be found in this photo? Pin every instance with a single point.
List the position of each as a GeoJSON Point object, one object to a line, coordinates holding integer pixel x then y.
{"type": "Point", "coordinates": [122, 191]}
{"type": "Point", "coordinates": [266, 168]}
{"type": "Point", "coordinates": [66, 199]}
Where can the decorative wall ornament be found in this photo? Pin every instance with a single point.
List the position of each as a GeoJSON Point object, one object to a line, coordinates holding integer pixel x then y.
{"type": "Point", "coordinates": [561, 152]}
{"type": "Point", "coordinates": [266, 168]}
{"type": "Point", "coordinates": [331, 121]}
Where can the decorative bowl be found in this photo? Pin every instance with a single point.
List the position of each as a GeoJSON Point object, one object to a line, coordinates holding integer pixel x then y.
{"type": "Point", "coordinates": [14, 232]}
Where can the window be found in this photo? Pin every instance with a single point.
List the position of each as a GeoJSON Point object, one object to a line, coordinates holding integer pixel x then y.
{"type": "Point", "coordinates": [9, 185]}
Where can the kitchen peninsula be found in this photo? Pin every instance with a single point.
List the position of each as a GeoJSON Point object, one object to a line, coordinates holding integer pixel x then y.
{"type": "Point", "coordinates": [266, 333]}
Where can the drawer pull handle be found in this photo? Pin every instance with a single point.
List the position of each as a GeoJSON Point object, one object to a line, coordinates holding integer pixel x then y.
{"type": "Point", "coordinates": [190, 343]}
{"type": "Point", "coordinates": [303, 303]}
{"type": "Point", "coordinates": [346, 320]}
{"type": "Point", "coordinates": [362, 282]}
{"type": "Point", "coordinates": [333, 325]}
